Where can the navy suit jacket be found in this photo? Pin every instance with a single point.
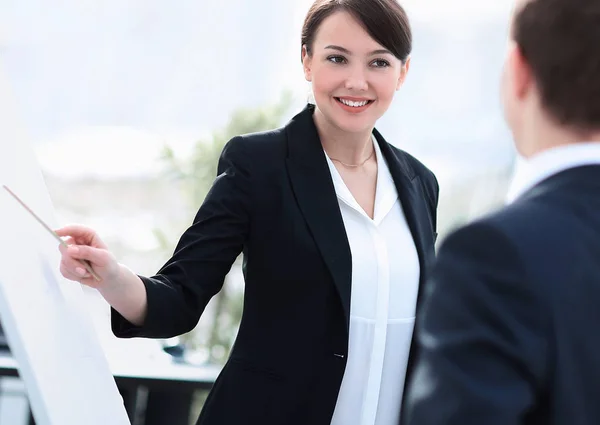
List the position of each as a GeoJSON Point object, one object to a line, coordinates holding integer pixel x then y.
{"type": "Point", "coordinates": [509, 328]}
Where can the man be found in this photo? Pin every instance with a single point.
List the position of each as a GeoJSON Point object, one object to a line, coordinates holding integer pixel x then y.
{"type": "Point", "coordinates": [509, 331]}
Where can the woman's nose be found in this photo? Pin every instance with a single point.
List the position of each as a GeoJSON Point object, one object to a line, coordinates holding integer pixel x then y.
{"type": "Point", "coordinates": [357, 80]}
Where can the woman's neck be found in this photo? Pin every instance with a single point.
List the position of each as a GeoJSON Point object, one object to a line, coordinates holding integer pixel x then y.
{"type": "Point", "coordinates": [349, 148]}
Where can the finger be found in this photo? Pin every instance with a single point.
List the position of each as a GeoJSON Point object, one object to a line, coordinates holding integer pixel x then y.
{"type": "Point", "coordinates": [83, 235]}
{"type": "Point", "coordinates": [68, 240]}
{"type": "Point", "coordinates": [78, 262]}
{"type": "Point", "coordinates": [74, 266]}
{"type": "Point", "coordinates": [98, 257]}
{"type": "Point", "coordinates": [68, 274]}
{"type": "Point", "coordinates": [84, 280]}
{"type": "Point", "coordinates": [62, 248]}
{"type": "Point", "coordinates": [74, 230]}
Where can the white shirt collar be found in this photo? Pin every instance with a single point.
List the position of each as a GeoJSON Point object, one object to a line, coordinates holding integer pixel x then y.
{"type": "Point", "coordinates": [385, 195]}
{"type": "Point", "coordinates": [529, 173]}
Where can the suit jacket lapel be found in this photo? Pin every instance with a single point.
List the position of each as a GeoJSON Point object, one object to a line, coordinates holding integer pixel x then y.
{"type": "Point", "coordinates": [410, 191]}
{"type": "Point", "coordinates": [408, 185]}
{"type": "Point", "coordinates": [312, 184]}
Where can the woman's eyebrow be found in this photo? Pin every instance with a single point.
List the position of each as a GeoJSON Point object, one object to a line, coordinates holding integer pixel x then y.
{"type": "Point", "coordinates": [346, 51]}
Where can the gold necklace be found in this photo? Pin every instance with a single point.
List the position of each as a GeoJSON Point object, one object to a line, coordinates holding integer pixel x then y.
{"type": "Point", "coordinates": [353, 165]}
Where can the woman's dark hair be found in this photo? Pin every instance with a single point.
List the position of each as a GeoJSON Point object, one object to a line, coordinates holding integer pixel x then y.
{"type": "Point", "coordinates": [560, 40]}
{"type": "Point", "coordinates": [384, 20]}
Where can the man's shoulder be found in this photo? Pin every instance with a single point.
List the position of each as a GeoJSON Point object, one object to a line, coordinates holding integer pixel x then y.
{"type": "Point", "coordinates": [536, 220]}
{"type": "Point", "coordinates": [533, 233]}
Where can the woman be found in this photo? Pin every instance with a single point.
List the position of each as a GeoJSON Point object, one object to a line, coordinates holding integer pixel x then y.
{"type": "Point", "coordinates": [337, 228]}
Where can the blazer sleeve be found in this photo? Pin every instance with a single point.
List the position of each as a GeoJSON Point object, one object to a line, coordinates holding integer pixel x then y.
{"type": "Point", "coordinates": [178, 294]}
{"type": "Point", "coordinates": [481, 336]}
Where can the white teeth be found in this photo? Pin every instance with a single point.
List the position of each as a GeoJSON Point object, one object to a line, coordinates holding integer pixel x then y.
{"type": "Point", "coordinates": [354, 104]}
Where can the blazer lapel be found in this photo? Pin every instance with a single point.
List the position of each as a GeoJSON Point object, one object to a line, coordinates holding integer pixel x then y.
{"type": "Point", "coordinates": [314, 190]}
{"type": "Point", "coordinates": [408, 185]}
{"type": "Point", "coordinates": [313, 187]}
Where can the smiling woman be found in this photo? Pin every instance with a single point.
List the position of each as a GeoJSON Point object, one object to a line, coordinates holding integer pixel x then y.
{"type": "Point", "coordinates": [356, 58]}
{"type": "Point", "coordinates": [337, 228]}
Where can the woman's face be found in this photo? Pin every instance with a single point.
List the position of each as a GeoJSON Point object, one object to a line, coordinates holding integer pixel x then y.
{"type": "Point", "coordinates": [353, 77]}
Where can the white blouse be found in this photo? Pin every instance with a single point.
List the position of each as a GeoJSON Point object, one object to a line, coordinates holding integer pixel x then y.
{"type": "Point", "coordinates": [385, 279]}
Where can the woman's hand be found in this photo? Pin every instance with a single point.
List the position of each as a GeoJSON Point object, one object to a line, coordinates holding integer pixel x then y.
{"type": "Point", "coordinates": [85, 244]}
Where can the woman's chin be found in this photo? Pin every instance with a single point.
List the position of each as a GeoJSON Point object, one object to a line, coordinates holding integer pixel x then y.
{"type": "Point", "coordinates": [354, 124]}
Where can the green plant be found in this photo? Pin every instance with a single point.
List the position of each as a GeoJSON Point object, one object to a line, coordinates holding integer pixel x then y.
{"type": "Point", "coordinates": [195, 175]}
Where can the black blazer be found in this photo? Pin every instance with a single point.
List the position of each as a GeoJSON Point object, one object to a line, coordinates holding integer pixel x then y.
{"type": "Point", "coordinates": [274, 200]}
{"type": "Point", "coordinates": [510, 325]}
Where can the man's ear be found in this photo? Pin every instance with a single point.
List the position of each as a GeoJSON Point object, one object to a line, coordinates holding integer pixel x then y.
{"type": "Point", "coordinates": [523, 74]}
{"type": "Point", "coordinates": [518, 72]}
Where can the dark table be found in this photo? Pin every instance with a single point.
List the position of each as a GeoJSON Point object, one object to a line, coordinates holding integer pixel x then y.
{"type": "Point", "coordinates": [154, 394]}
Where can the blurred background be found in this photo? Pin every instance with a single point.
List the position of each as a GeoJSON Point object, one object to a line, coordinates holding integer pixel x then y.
{"type": "Point", "coordinates": [128, 104]}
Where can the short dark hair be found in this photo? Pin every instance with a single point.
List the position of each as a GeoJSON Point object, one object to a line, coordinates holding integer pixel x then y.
{"type": "Point", "coordinates": [384, 20]}
{"type": "Point", "coordinates": [560, 41]}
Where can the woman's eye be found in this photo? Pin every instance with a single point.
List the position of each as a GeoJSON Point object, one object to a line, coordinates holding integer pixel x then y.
{"type": "Point", "coordinates": [381, 63]}
{"type": "Point", "coordinates": [336, 59]}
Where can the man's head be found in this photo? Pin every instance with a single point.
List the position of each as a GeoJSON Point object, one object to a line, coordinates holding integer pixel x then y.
{"type": "Point", "coordinates": [551, 79]}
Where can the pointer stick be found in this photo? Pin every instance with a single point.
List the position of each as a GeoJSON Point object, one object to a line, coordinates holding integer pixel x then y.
{"type": "Point", "coordinates": [84, 263]}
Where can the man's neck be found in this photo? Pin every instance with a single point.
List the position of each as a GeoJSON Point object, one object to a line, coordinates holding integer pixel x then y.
{"type": "Point", "coordinates": [543, 139]}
